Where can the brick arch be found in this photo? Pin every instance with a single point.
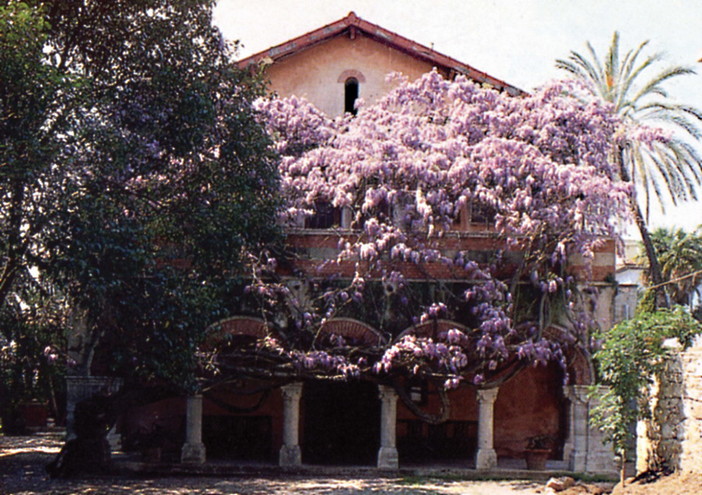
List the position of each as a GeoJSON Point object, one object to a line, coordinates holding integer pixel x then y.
{"type": "Point", "coordinates": [433, 328]}
{"type": "Point", "coordinates": [236, 326]}
{"type": "Point", "coordinates": [579, 366]}
{"type": "Point", "coordinates": [344, 76]}
{"type": "Point", "coordinates": [354, 330]}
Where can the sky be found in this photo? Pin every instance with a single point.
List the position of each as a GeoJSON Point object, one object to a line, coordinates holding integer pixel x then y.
{"type": "Point", "coordinates": [517, 41]}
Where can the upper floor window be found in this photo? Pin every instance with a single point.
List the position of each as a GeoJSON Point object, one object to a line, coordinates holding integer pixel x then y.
{"type": "Point", "coordinates": [482, 214]}
{"type": "Point", "coordinates": [350, 95]}
{"type": "Point", "coordinates": [325, 216]}
{"type": "Point", "coordinates": [352, 80]}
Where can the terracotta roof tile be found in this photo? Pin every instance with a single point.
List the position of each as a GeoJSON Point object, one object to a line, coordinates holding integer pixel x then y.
{"type": "Point", "coordinates": [381, 35]}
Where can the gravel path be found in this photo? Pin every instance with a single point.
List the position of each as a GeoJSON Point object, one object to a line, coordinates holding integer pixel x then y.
{"type": "Point", "coordinates": [22, 461]}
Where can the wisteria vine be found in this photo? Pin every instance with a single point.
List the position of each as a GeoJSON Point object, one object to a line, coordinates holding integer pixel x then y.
{"type": "Point", "coordinates": [404, 173]}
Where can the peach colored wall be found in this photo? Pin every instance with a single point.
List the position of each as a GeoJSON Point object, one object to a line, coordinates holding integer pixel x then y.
{"type": "Point", "coordinates": [530, 404]}
{"type": "Point", "coordinates": [518, 415]}
{"type": "Point", "coordinates": [314, 73]}
{"type": "Point", "coordinates": [463, 405]}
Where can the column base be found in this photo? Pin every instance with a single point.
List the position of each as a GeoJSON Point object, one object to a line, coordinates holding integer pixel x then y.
{"type": "Point", "coordinates": [193, 453]}
{"type": "Point", "coordinates": [485, 459]}
{"type": "Point", "coordinates": [290, 455]}
{"type": "Point", "coordinates": [387, 458]}
{"type": "Point", "coordinates": [578, 462]}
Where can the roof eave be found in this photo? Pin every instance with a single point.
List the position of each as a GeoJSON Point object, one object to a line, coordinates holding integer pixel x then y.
{"type": "Point", "coordinates": [381, 35]}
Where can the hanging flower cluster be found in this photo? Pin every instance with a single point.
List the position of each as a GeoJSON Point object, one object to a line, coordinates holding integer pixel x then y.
{"type": "Point", "coordinates": [406, 170]}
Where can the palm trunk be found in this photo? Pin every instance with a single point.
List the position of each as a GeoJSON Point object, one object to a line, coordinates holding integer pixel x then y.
{"type": "Point", "coordinates": [654, 267]}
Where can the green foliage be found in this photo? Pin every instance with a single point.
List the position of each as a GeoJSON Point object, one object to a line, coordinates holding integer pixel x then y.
{"type": "Point", "coordinates": [680, 256]}
{"type": "Point", "coordinates": [632, 355]}
{"type": "Point", "coordinates": [31, 351]}
{"type": "Point", "coordinates": [135, 180]}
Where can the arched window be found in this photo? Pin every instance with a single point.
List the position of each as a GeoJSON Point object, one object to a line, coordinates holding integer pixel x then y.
{"type": "Point", "coordinates": [350, 95]}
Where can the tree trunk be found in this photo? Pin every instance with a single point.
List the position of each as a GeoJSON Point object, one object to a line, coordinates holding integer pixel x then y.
{"type": "Point", "coordinates": [89, 452]}
{"type": "Point", "coordinates": [654, 267]}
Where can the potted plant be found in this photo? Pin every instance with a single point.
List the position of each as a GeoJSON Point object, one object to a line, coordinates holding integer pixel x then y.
{"type": "Point", "coordinates": [537, 451]}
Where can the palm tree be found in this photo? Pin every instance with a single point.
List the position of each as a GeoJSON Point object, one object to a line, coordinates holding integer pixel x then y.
{"type": "Point", "coordinates": [680, 256]}
{"type": "Point", "coordinates": [663, 171]}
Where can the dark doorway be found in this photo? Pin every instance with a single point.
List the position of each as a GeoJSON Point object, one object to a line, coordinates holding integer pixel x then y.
{"type": "Point", "coordinates": [237, 437]}
{"type": "Point", "coordinates": [421, 442]}
{"type": "Point", "coordinates": [341, 423]}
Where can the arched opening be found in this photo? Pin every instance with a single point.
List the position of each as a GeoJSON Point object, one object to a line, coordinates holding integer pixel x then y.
{"type": "Point", "coordinates": [453, 440]}
{"type": "Point", "coordinates": [241, 418]}
{"type": "Point", "coordinates": [350, 95]}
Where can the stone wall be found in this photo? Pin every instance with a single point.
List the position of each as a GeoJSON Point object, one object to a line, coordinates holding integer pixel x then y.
{"type": "Point", "coordinates": [691, 452]}
{"type": "Point", "coordinates": [673, 435]}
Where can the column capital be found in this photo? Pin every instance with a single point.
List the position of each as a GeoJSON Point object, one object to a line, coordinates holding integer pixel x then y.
{"type": "Point", "coordinates": [579, 393]}
{"type": "Point", "coordinates": [488, 394]}
{"type": "Point", "coordinates": [386, 393]}
{"type": "Point", "coordinates": [292, 390]}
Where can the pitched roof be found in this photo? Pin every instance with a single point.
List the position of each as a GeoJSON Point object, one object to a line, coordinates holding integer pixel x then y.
{"type": "Point", "coordinates": [354, 25]}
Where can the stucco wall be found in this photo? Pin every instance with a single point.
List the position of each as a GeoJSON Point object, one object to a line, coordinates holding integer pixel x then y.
{"type": "Point", "coordinates": [314, 73]}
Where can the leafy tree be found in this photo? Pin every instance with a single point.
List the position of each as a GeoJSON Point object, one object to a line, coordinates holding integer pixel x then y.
{"type": "Point", "coordinates": [631, 357]}
{"type": "Point", "coordinates": [134, 179]}
{"type": "Point", "coordinates": [663, 168]}
{"type": "Point", "coordinates": [30, 135]}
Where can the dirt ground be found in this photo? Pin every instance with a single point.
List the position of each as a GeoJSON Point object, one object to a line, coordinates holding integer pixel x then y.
{"type": "Point", "coordinates": [22, 461]}
{"type": "Point", "coordinates": [675, 484]}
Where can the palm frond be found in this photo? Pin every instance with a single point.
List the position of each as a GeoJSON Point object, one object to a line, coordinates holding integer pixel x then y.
{"type": "Point", "coordinates": [654, 85]}
{"type": "Point", "coordinates": [583, 70]}
{"type": "Point", "coordinates": [686, 163]}
{"type": "Point", "coordinates": [683, 185]}
{"type": "Point", "coordinates": [611, 68]}
{"type": "Point", "coordinates": [664, 171]}
{"type": "Point", "coordinates": [634, 72]}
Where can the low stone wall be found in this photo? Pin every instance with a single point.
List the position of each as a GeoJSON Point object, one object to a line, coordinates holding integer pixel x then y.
{"type": "Point", "coordinates": [673, 435]}
{"type": "Point", "coordinates": [691, 454]}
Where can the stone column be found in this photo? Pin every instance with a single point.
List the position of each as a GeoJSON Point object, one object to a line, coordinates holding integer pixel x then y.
{"type": "Point", "coordinates": [486, 457]}
{"type": "Point", "coordinates": [193, 449]}
{"type": "Point", "coordinates": [576, 446]}
{"type": "Point", "coordinates": [290, 454]}
{"type": "Point", "coordinates": [387, 454]}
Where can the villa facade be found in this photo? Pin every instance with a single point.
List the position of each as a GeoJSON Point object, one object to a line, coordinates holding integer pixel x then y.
{"type": "Point", "coordinates": [321, 422]}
